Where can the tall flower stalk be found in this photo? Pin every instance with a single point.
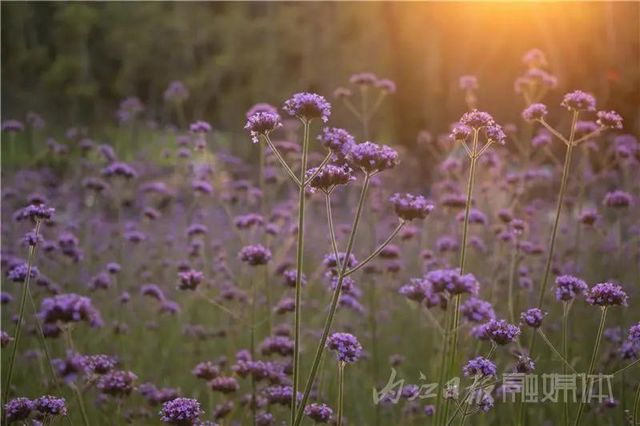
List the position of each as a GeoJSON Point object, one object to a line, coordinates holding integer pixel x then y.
{"type": "Point", "coordinates": [306, 107]}
{"type": "Point", "coordinates": [471, 125]}
{"type": "Point", "coordinates": [575, 102]}
{"type": "Point", "coordinates": [23, 304]}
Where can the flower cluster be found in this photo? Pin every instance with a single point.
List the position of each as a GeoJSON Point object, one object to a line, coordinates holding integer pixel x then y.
{"type": "Point", "coordinates": [181, 411]}
{"type": "Point", "coordinates": [372, 158]}
{"type": "Point", "coordinates": [409, 206]}
{"type": "Point", "coordinates": [607, 294]}
{"type": "Point", "coordinates": [479, 366]}
{"type": "Point", "coordinates": [346, 346]}
{"type": "Point", "coordinates": [262, 124]}
{"type": "Point", "coordinates": [255, 255]}
{"type": "Point", "coordinates": [67, 308]}
{"type": "Point", "coordinates": [569, 287]}
{"type": "Point", "coordinates": [308, 106]}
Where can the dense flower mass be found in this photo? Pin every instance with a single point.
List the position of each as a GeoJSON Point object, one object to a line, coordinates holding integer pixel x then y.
{"type": "Point", "coordinates": [346, 347]}
{"type": "Point", "coordinates": [117, 383]}
{"type": "Point", "coordinates": [18, 409]}
{"type": "Point", "coordinates": [579, 101]}
{"type": "Point", "coordinates": [255, 255]}
{"type": "Point", "coordinates": [329, 176]}
{"type": "Point", "coordinates": [200, 127]}
{"type": "Point", "coordinates": [50, 406]}
{"type": "Point", "coordinates": [534, 112]}
{"type": "Point", "coordinates": [262, 123]}
{"type": "Point", "coordinates": [308, 106]}
{"type": "Point", "coordinates": [609, 119]}
{"type": "Point", "coordinates": [479, 366]}
{"type": "Point", "coordinates": [569, 287]}
{"type": "Point", "coordinates": [372, 158]}
{"type": "Point", "coordinates": [181, 412]}
{"type": "Point", "coordinates": [409, 206]}
{"type": "Point", "coordinates": [319, 413]}
{"type": "Point", "coordinates": [477, 119]}
{"type": "Point", "coordinates": [618, 199]}
{"type": "Point", "coordinates": [67, 308]}
{"type": "Point", "coordinates": [501, 332]}
{"type": "Point", "coordinates": [533, 317]}
{"type": "Point", "coordinates": [607, 294]}
{"type": "Point", "coordinates": [338, 141]}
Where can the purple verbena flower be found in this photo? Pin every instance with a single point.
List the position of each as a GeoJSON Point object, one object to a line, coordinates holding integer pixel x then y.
{"type": "Point", "coordinates": [607, 294]}
{"type": "Point", "coordinates": [181, 412]}
{"type": "Point", "coordinates": [409, 206]}
{"type": "Point", "coordinates": [579, 101]}
{"type": "Point", "coordinates": [569, 287]}
{"type": "Point", "coordinates": [479, 366]}
{"type": "Point", "coordinates": [308, 106]}
{"type": "Point", "coordinates": [533, 317]}
{"type": "Point", "coordinates": [346, 346]}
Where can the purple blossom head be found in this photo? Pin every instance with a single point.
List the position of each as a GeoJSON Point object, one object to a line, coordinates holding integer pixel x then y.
{"type": "Point", "coordinates": [534, 58]}
{"type": "Point", "coordinates": [569, 287]}
{"type": "Point", "coordinates": [342, 93]}
{"type": "Point", "coordinates": [337, 140]}
{"type": "Point", "coordinates": [329, 177]}
{"type": "Point", "coordinates": [189, 280]}
{"type": "Point", "coordinates": [501, 332]}
{"type": "Point", "coordinates": [346, 346]}
{"type": "Point", "coordinates": [18, 409]}
{"type": "Point", "coordinates": [68, 308]}
{"type": "Point", "coordinates": [617, 199]}
{"type": "Point", "coordinates": [308, 106]}
{"type": "Point", "coordinates": [176, 92]}
{"type": "Point", "coordinates": [255, 255]}
{"type": "Point", "coordinates": [319, 413]}
{"type": "Point", "coordinates": [262, 124]}
{"type": "Point", "coordinates": [18, 273]}
{"type": "Point", "coordinates": [468, 82]}
{"type": "Point", "coordinates": [200, 127]}
{"type": "Point", "coordinates": [534, 112]}
{"type": "Point", "coordinates": [280, 394]}
{"type": "Point", "coordinates": [206, 370]}
{"type": "Point", "coordinates": [451, 281]}
{"type": "Point", "coordinates": [153, 291]}
{"type": "Point", "coordinates": [609, 119]}
{"type": "Point", "coordinates": [118, 169]}
{"type": "Point", "coordinates": [117, 383]}
{"type": "Point", "coordinates": [372, 158]}
{"type": "Point", "coordinates": [479, 367]}
{"type": "Point", "coordinates": [477, 119]}
{"type": "Point", "coordinates": [330, 260]}
{"type": "Point", "coordinates": [532, 317]}
{"type": "Point", "coordinates": [607, 294]}
{"type": "Point", "coordinates": [386, 86]}
{"type": "Point", "coordinates": [35, 213]}
{"type": "Point", "coordinates": [281, 345]}
{"type": "Point", "coordinates": [579, 101]}
{"type": "Point", "coordinates": [460, 132]}
{"type": "Point", "coordinates": [477, 310]}
{"type": "Point", "coordinates": [409, 206]}
{"type": "Point", "coordinates": [12, 126]}
{"type": "Point", "coordinates": [363, 79]}
{"type": "Point", "coordinates": [100, 363]}
{"type": "Point", "coordinates": [634, 334]}
{"type": "Point", "coordinates": [224, 384]}
{"type": "Point", "coordinates": [496, 134]}
{"type": "Point", "coordinates": [181, 412]}
{"type": "Point", "coordinates": [50, 406]}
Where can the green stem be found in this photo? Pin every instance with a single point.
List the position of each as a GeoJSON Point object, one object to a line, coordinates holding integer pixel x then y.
{"type": "Point", "coordinates": [378, 250]}
{"type": "Point", "coordinates": [334, 302]}
{"type": "Point", "coordinates": [636, 407]}
{"type": "Point", "coordinates": [453, 330]}
{"type": "Point", "coordinates": [332, 232]}
{"type": "Point", "coordinates": [340, 392]}
{"type": "Point", "coordinates": [512, 278]}
{"type": "Point", "coordinates": [254, 294]}
{"type": "Point", "coordinates": [23, 303]}
{"type": "Point", "coordinates": [563, 186]}
{"type": "Point", "coordinates": [592, 363]}
{"type": "Point", "coordinates": [299, 265]}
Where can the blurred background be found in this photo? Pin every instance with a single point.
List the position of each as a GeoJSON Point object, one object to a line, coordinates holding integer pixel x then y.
{"type": "Point", "coordinates": [74, 62]}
